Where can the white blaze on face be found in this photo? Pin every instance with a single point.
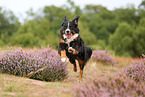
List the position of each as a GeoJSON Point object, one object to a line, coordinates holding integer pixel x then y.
{"type": "Point", "coordinates": [67, 31]}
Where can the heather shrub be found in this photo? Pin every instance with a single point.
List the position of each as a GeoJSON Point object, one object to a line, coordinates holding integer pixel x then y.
{"type": "Point", "coordinates": [42, 64]}
{"type": "Point", "coordinates": [103, 56]}
{"type": "Point", "coordinates": [118, 86]}
{"type": "Point", "coordinates": [136, 70]}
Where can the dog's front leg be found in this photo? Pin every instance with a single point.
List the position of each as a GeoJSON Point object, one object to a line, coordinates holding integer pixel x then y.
{"type": "Point", "coordinates": [62, 51]}
{"type": "Point", "coordinates": [72, 50]}
{"type": "Point", "coordinates": [63, 55]}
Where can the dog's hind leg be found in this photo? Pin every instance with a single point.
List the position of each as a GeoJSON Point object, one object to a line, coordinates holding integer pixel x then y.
{"type": "Point", "coordinates": [74, 63]}
{"type": "Point", "coordinates": [81, 64]}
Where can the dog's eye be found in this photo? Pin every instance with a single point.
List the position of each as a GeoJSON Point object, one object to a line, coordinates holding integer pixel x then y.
{"type": "Point", "coordinates": [65, 26]}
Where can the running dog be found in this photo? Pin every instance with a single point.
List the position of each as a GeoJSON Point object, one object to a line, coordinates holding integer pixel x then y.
{"type": "Point", "coordinates": [72, 46]}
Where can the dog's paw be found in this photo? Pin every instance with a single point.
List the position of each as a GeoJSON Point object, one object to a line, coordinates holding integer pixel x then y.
{"type": "Point", "coordinates": [79, 81]}
{"type": "Point", "coordinates": [63, 59]}
{"type": "Point", "coordinates": [70, 50]}
{"type": "Point", "coordinates": [75, 69]}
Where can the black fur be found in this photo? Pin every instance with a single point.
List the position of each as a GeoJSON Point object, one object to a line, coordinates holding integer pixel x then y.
{"type": "Point", "coordinates": [84, 52]}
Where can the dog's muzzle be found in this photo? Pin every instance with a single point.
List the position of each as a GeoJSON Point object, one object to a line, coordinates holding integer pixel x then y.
{"type": "Point", "coordinates": [67, 31]}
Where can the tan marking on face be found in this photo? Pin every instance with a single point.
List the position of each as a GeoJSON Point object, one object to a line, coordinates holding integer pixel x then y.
{"type": "Point", "coordinates": [74, 32]}
{"type": "Point", "coordinates": [61, 40]}
{"type": "Point", "coordinates": [63, 31]}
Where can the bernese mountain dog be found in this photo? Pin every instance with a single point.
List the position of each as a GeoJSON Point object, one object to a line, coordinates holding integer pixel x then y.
{"type": "Point", "coordinates": [72, 46]}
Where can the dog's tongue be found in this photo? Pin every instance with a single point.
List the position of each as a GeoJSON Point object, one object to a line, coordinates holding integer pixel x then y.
{"type": "Point", "coordinates": [69, 35]}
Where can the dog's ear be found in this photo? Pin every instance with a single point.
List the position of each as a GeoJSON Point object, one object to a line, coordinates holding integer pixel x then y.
{"type": "Point", "coordinates": [75, 20]}
{"type": "Point", "coordinates": [64, 20]}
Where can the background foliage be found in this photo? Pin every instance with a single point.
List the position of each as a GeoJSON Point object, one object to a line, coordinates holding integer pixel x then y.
{"type": "Point", "coordinates": [121, 30]}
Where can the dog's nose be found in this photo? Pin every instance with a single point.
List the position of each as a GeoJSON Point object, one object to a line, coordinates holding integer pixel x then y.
{"type": "Point", "coordinates": [67, 32]}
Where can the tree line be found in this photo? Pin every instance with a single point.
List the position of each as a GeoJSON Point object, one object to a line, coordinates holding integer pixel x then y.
{"type": "Point", "coordinates": [121, 30]}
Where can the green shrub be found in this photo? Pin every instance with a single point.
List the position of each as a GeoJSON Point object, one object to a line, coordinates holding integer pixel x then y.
{"type": "Point", "coordinates": [139, 39]}
{"type": "Point", "coordinates": [26, 40]}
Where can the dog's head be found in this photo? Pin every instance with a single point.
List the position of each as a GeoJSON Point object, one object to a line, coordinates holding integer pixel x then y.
{"type": "Point", "coordinates": [69, 28]}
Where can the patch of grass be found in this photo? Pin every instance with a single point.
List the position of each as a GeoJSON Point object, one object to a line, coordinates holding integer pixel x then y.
{"type": "Point", "coordinates": [9, 85]}
{"type": "Point", "coordinates": [60, 85]}
{"type": "Point", "coordinates": [14, 86]}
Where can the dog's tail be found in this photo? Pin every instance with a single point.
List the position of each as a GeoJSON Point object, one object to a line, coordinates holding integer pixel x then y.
{"type": "Point", "coordinates": [88, 52]}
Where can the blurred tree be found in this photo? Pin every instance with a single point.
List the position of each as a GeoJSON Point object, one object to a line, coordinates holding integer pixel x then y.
{"type": "Point", "coordinates": [142, 5]}
{"type": "Point", "coordinates": [26, 40]}
{"type": "Point", "coordinates": [52, 12]}
{"type": "Point", "coordinates": [41, 28]}
{"type": "Point", "coordinates": [94, 8]}
{"type": "Point", "coordinates": [8, 24]}
{"type": "Point", "coordinates": [128, 15]}
{"type": "Point", "coordinates": [97, 27]}
{"type": "Point", "coordinates": [88, 37]}
{"type": "Point", "coordinates": [101, 22]}
{"type": "Point", "coordinates": [139, 39]}
{"type": "Point", "coordinates": [54, 15]}
{"type": "Point", "coordinates": [71, 7]}
{"type": "Point", "coordinates": [34, 29]}
{"type": "Point", "coordinates": [31, 15]}
{"type": "Point", "coordinates": [141, 10]}
{"type": "Point", "coordinates": [122, 40]}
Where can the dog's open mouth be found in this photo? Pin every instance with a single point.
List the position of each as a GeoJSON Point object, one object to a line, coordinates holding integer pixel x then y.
{"type": "Point", "coordinates": [69, 35]}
